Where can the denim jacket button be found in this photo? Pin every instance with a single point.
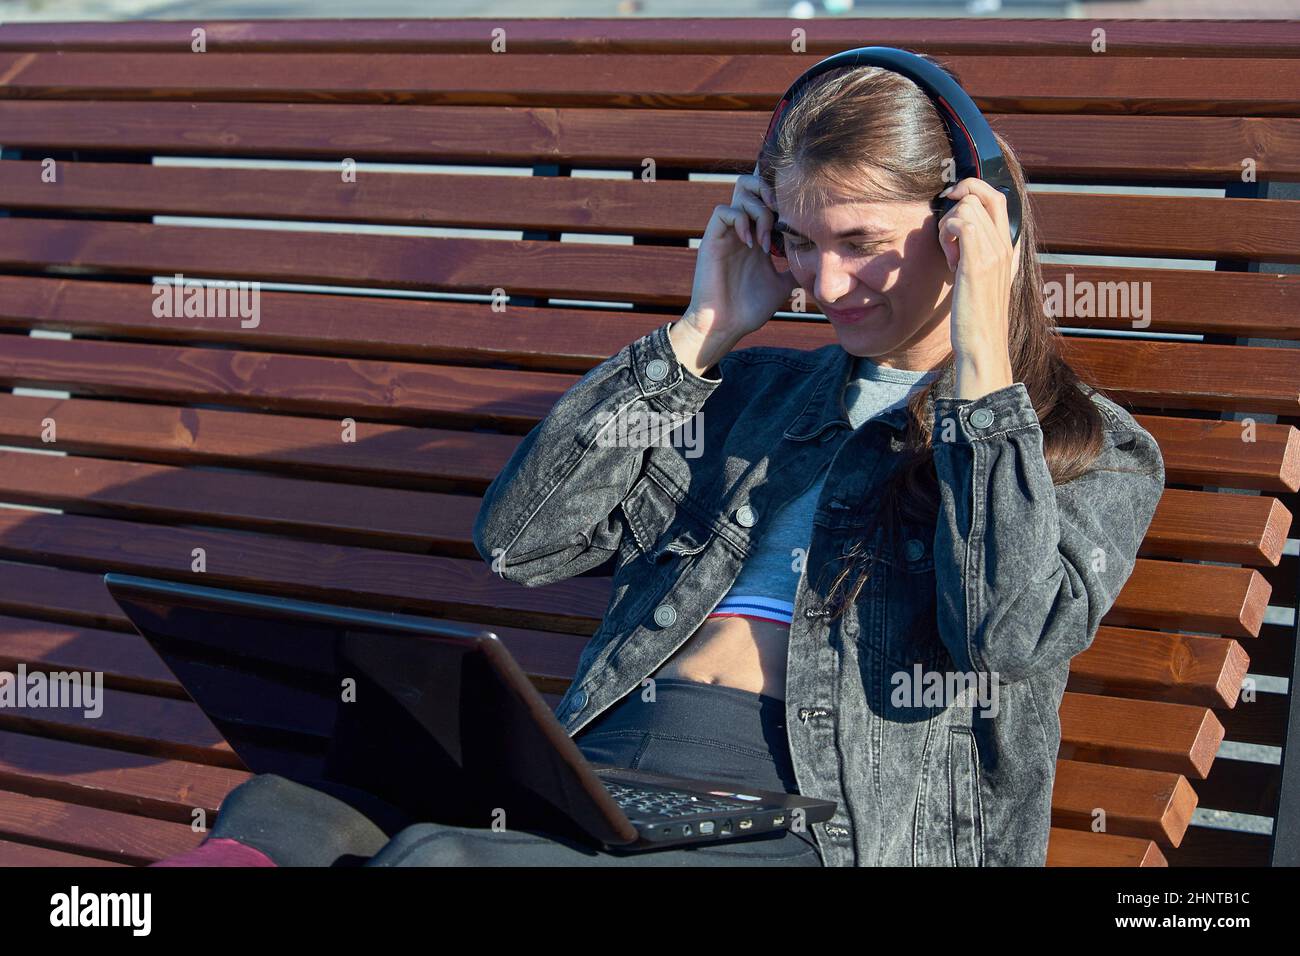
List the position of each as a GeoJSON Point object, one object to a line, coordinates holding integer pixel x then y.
{"type": "Point", "coordinates": [981, 418]}
{"type": "Point", "coordinates": [745, 516]}
{"type": "Point", "coordinates": [914, 548]}
{"type": "Point", "coordinates": [656, 370]}
{"type": "Point", "coordinates": [579, 701]}
{"type": "Point", "coordinates": [665, 615]}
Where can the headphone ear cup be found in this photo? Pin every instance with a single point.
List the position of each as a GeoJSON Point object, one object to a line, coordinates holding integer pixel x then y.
{"type": "Point", "coordinates": [777, 243]}
{"type": "Point", "coordinates": [941, 205]}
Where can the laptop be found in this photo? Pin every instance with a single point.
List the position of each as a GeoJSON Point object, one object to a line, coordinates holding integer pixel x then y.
{"type": "Point", "coordinates": [437, 721]}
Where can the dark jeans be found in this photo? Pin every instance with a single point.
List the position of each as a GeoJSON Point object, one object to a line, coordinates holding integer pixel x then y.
{"type": "Point", "coordinates": [690, 730]}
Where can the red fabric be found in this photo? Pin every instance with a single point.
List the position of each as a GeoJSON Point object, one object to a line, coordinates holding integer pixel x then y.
{"type": "Point", "coordinates": [219, 851]}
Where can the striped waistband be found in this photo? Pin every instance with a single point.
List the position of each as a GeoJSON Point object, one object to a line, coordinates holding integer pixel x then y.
{"type": "Point", "coordinates": [755, 608]}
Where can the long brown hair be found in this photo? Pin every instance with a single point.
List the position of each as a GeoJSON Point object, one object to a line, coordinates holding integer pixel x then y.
{"type": "Point", "coordinates": [870, 132]}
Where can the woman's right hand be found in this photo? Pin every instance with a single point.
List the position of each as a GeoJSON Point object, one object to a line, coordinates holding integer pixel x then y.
{"type": "Point", "coordinates": [737, 287]}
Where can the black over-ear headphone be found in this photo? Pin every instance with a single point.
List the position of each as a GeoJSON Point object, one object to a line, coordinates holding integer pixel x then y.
{"type": "Point", "coordinates": [974, 150]}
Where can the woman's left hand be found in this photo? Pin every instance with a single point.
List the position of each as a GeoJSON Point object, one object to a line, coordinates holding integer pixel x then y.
{"type": "Point", "coordinates": [976, 239]}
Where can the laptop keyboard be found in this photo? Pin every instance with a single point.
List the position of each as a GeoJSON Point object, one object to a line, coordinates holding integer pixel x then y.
{"type": "Point", "coordinates": [643, 802]}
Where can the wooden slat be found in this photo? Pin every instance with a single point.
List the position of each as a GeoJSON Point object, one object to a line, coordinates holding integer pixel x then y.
{"type": "Point", "coordinates": [24, 854]}
{"type": "Point", "coordinates": [1139, 803]}
{"type": "Point", "coordinates": [1167, 374]}
{"type": "Point", "coordinates": [90, 832]}
{"type": "Point", "coordinates": [1215, 452]}
{"type": "Point", "coordinates": [1168, 226]}
{"type": "Point", "coordinates": [357, 389]}
{"type": "Point", "coordinates": [1193, 597]}
{"type": "Point", "coordinates": [1164, 374]}
{"type": "Point", "coordinates": [396, 519]}
{"type": "Point", "coordinates": [564, 339]}
{"type": "Point", "coordinates": [1146, 85]}
{"type": "Point", "coordinates": [1167, 148]}
{"type": "Point", "coordinates": [1187, 524]}
{"type": "Point", "coordinates": [1142, 734]}
{"type": "Point", "coordinates": [544, 339]}
{"type": "Point", "coordinates": [1159, 736]}
{"type": "Point", "coordinates": [1085, 848]}
{"type": "Point", "coordinates": [1139, 733]}
{"type": "Point", "coordinates": [135, 723]}
{"type": "Point", "coordinates": [81, 600]}
{"type": "Point", "coordinates": [1183, 375]}
{"type": "Point", "coordinates": [395, 455]}
{"type": "Point", "coordinates": [1163, 226]}
{"type": "Point", "coordinates": [1157, 665]}
{"type": "Point", "coordinates": [113, 780]}
{"type": "Point", "coordinates": [1244, 529]}
{"type": "Point", "coordinates": [358, 577]}
{"type": "Point", "coordinates": [73, 597]}
{"type": "Point", "coordinates": [1142, 803]}
{"type": "Point", "coordinates": [980, 36]}
{"type": "Point", "coordinates": [126, 660]}
{"type": "Point", "coordinates": [129, 663]}
{"type": "Point", "coordinates": [1161, 595]}
{"type": "Point", "coordinates": [403, 456]}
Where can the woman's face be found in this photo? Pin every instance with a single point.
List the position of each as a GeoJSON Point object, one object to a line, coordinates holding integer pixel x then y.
{"type": "Point", "coordinates": [850, 255]}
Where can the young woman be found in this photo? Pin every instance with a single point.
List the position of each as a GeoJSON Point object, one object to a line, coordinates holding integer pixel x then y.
{"type": "Point", "coordinates": [936, 494]}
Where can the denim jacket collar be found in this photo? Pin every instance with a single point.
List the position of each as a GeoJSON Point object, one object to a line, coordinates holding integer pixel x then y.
{"type": "Point", "coordinates": [825, 406]}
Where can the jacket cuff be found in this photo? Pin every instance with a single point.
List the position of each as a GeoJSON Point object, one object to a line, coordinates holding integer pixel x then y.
{"type": "Point", "coordinates": [662, 378]}
{"type": "Point", "coordinates": [963, 421]}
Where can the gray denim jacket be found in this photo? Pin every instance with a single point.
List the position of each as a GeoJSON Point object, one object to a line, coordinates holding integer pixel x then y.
{"type": "Point", "coordinates": [1010, 582]}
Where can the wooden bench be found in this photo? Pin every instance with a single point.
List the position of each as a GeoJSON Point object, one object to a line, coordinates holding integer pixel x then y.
{"type": "Point", "coordinates": [176, 433]}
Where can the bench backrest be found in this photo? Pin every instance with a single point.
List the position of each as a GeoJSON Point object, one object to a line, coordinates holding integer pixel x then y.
{"type": "Point", "coordinates": [337, 447]}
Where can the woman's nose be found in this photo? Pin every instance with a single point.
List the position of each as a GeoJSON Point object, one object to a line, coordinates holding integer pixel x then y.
{"type": "Point", "coordinates": [831, 282]}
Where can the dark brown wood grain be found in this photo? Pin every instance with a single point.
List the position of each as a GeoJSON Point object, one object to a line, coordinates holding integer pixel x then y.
{"type": "Point", "coordinates": [85, 775]}
{"type": "Point", "coordinates": [1194, 597]}
{"type": "Point", "coordinates": [1191, 227]}
{"type": "Point", "coordinates": [1187, 524]}
{"type": "Point", "coordinates": [80, 831]}
{"type": "Point", "coordinates": [553, 338]}
{"type": "Point", "coordinates": [994, 36]}
{"type": "Point", "coordinates": [1124, 801]}
{"type": "Point", "coordinates": [1196, 451]}
{"type": "Point", "coordinates": [1135, 373]}
{"type": "Point", "coordinates": [185, 432]}
{"type": "Point", "coordinates": [1039, 84]}
{"type": "Point", "coordinates": [1157, 735]}
{"type": "Point", "coordinates": [1162, 666]}
{"type": "Point", "coordinates": [1169, 148]}
{"type": "Point", "coordinates": [1068, 847]}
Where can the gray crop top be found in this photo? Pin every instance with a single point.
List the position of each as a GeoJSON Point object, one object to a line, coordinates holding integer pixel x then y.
{"type": "Point", "coordinates": [766, 586]}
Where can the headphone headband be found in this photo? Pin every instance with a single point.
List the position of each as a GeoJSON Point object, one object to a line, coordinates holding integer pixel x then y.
{"type": "Point", "coordinates": [974, 150]}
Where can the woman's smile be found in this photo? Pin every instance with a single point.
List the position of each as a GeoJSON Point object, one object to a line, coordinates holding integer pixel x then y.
{"type": "Point", "coordinates": [853, 316]}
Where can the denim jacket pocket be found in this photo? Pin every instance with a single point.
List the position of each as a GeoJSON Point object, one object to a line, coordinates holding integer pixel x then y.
{"type": "Point", "coordinates": [966, 818]}
{"type": "Point", "coordinates": [949, 826]}
{"type": "Point", "coordinates": [661, 525]}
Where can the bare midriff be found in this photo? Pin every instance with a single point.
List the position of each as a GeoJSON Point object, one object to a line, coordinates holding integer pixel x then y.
{"type": "Point", "coordinates": [739, 652]}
